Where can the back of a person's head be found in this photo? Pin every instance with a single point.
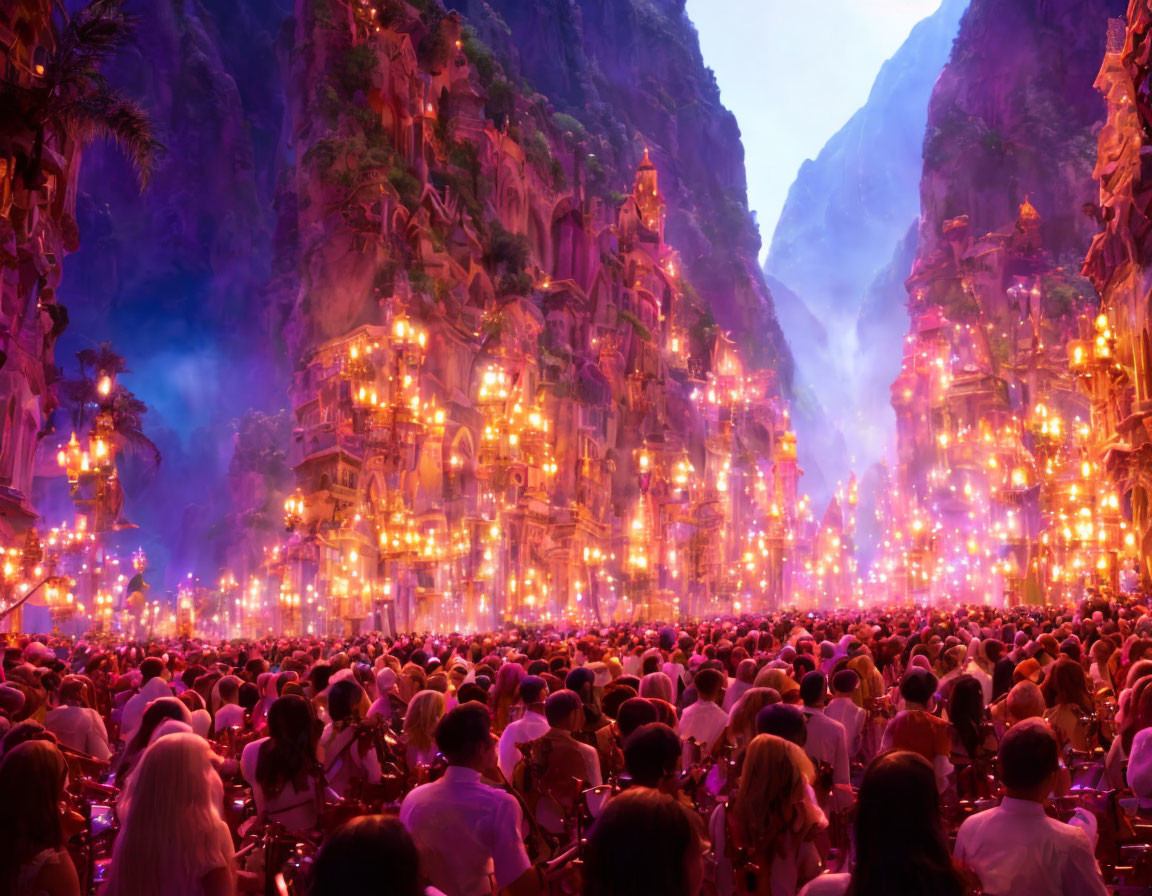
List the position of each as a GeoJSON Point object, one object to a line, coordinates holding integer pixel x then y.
{"type": "Point", "coordinates": [533, 688]}
{"type": "Point", "coordinates": [1029, 755]}
{"type": "Point", "coordinates": [579, 679]}
{"type": "Point", "coordinates": [32, 778]}
{"type": "Point", "coordinates": [966, 700]}
{"type": "Point", "coordinates": [709, 683]}
{"type": "Point", "coordinates": [634, 712]}
{"type": "Point", "coordinates": [1025, 701]}
{"type": "Point", "coordinates": [154, 715]}
{"type": "Point", "coordinates": [813, 687]}
{"type": "Point", "coordinates": [782, 720]}
{"type": "Point", "coordinates": [365, 854]}
{"type": "Point", "coordinates": [229, 687]}
{"type": "Point", "coordinates": [463, 732]}
{"type": "Point", "coordinates": [290, 720]}
{"type": "Point", "coordinates": [651, 753]}
{"type": "Point", "coordinates": [658, 685]}
{"type": "Point", "coordinates": [773, 778]}
{"type": "Point", "coordinates": [344, 699]}
{"type": "Point", "coordinates": [72, 691]}
{"type": "Point", "coordinates": [900, 842]}
{"type": "Point", "coordinates": [248, 695]}
{"type": "Point", "coordinates": [918, 685]}
{"type": "Point", "coordinates": [319, 676]}
{"type": "Point", "coordinates": [561, 706]}
{"type": "Point", "coordinates": [425, 710]}
{"type": "Point", "coordinates": [22, 732]}
{"type": "Point", "coordinates": [637, 847]}
{"type": "Point", "coordinates": [170, 809]}
{"type": "Point", "coordinates": [150, 668]}
{"type": "Point", "coordinates": [845, 682]}
{"type": "Point", "coordinates": [746, 671]}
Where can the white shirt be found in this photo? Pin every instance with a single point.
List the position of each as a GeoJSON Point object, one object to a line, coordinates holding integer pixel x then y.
{"type": "Point", "coordinates": [228, 716]}
{"type": "Point", "coordinates": [79, 728]}
{"type": "Point", "coordinates": [705, 721]}
{"type": "Point", "coordinates": [984, 678]}
{"type": "Point", "coordinates": [851, 716]}
{"type": "Point", "coordinates": [153, 689]}
{"type": "Point", "coordinates": [827, 743]}
{"type": "Point", "coordinates": [529, 727]}
{"type": "Point", "coordinates": [465, 829]}
{"type": "Point", "coordinates": [1016, 848]}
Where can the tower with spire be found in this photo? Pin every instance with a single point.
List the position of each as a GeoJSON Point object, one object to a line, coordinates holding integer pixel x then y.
{"type": "Point", "coordinates": [649, 202]}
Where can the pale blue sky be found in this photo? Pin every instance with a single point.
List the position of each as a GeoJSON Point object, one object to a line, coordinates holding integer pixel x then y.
{"type": "Point", "coordinates": [794, 72]}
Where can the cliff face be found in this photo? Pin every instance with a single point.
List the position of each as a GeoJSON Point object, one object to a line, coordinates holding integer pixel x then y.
{"type": "Point", "coordinates": [846, 213]}
{"type": "Point", "coordinates": [1014, 114]}
{"type": "Point", "coordinates": [849, 207]}
{"type": "Point", "coordinates": [632, 73]}
{"type": "Point", "coordinates": [995, 297]}
{"type": "Point", "coordinates": [503, 357]}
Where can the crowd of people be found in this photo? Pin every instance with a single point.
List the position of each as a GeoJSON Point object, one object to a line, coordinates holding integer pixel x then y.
{"type": "Point", "coordinates": [901, 751]}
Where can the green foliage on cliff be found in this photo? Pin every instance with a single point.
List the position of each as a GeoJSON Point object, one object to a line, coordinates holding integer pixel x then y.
{"type": "Point", "coordinates": [406, 185]}
{"type": "Point", "coordinates": [355, 68]}
{"type": "Point", "coordinates": [627, 317]}
{"type": "Point", "coordinates": [480, 55]}
{"type": "Point", "coordinates": [506, 251]}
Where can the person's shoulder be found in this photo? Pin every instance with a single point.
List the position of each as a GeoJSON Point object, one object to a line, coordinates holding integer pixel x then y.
{"type": "Point", "coordinates": [973, 823]}
{"type": "Point", "coordinates": [419, 794]}
{"type": "Point", "coordinates": [827, 885]}
{"type": "Point", "coordinates": [1068, 836]}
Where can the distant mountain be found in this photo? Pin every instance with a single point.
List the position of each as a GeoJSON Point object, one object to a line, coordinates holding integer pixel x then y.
{"type": "Point", "coordinates": [847, 210]}
{"type": "Point", "coordinates": [847, 217]}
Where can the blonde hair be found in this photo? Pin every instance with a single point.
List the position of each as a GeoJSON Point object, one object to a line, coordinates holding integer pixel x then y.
{"type": "Point", "coordinates": [424, 711]}
{"type": "Point", "coordinates": [772, 782]}
{"type": "Point", "coordinates": [742, 717]}
{"type": "Point", "coordinates": [658, 685]}
{"type": "Point", "coordinates": [172, 833]}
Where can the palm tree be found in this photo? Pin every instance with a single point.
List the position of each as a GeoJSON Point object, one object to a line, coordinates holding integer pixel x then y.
{"type": "Point", "coordinates": [72, 96]}
{"type": "Point", "coordinates": [83, 397]}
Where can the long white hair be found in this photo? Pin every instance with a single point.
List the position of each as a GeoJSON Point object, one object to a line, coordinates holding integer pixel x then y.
{"type": "Point", "coordinates": [172, 833]}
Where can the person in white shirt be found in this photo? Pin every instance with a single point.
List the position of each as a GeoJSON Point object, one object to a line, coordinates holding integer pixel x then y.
{"type": "Point", "coordinates": [464, 828]}
{"type": "Point", "coordinates": [229, 713]}
{"type": "Point", "coordinates": [703, 721]}
{"type": "Point", "coordinates": [533, 691]}
{"type": "Point", "coordinates": [152, 687]}
{"type": "Point", "coordinates": [843, 709]}
{"type": "Point", "coordinates": [826, 739]}
{"type": "Point", "coordinates": [1016, 847]}
{"type": "Point", "coordinates": [75, 724]}
{"type": "Point", "coordinates": [281, 767]}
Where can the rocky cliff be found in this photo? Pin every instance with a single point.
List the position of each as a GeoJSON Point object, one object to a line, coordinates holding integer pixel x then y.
{"type": "Point", "coordinates": [846, 212]}
{"type": "Point", "coordinates": [631, 72]}
{"type": "Point", "coordinates": [1014, 114]}
{"type": "Point", "coordinates": [995, 297]}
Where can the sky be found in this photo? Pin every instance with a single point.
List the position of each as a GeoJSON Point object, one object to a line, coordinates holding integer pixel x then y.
{"type": "Point", "coordinates": [793, 73]}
